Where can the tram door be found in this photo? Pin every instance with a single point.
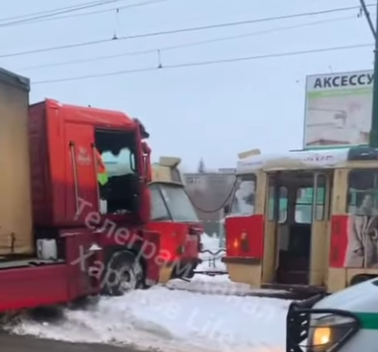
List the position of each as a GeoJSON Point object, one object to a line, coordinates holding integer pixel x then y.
{"type": "Point", "coordinates": [321, 228]}
{"type": "Point", "coordinates": [301, 207]}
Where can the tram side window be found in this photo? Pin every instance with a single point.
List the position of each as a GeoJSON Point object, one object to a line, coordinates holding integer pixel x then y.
{"type": "Point", "coordinates": [282, 204]}
{"type": "Point", "coordinates": [363, 192]}
{"type": "Point", "coordinates": [303, 205]}
{"type": "Point", "coordinates": [304, 202]}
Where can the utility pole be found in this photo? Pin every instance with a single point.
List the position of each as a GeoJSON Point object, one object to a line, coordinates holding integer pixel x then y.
{"type": "Point", "coordinates": [374, 119]}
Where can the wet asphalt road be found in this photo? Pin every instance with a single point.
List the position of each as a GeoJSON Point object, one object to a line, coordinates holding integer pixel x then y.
{"type": "Point", "coordinates": [15, 343]}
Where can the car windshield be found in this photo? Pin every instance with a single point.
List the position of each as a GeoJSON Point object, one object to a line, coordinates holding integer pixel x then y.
{"type": "Point", "coordinates": [170, 202]}
{"type": "Point", "coordinates": [243, 202]}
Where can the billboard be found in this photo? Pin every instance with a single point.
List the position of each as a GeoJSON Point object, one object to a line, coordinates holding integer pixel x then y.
{"type": "Point", "coordinates": [338, 109]}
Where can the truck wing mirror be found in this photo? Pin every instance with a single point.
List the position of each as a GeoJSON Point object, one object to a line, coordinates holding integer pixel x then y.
{"type": "Point", "coordinates": [226, 209]}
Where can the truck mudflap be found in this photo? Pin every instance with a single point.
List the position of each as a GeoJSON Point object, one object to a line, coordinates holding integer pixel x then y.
{"type": "Point", "coordinates": [333, 327]}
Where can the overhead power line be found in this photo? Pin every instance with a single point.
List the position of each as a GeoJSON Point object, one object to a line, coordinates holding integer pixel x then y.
{"type": "Point", "coordinates": [56, 11]}
{"type": "Point", "coordinates": [207, 63]}
{"type": "Point", "coordinates": [181, 30]}
{"type": "Point", "coordinates": [55, 16]}
{"type": "Point", "coordinates": [184, 45]}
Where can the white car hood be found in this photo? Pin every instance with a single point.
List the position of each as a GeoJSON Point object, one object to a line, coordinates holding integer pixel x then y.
{"type": "Point", "coordinates": [359, 298]}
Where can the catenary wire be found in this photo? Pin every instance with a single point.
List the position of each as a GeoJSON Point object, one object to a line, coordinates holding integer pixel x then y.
{"type": "Point", "coordinates": [185, 45]}
{"type": "Point", "coordinates": [56, 11]}
{"type": "Point", "coordinates": [54, 17]}
{"type": "Point", "coordinates": [207, 63]}
{"type": "Point", "coordinates": [180, 30]}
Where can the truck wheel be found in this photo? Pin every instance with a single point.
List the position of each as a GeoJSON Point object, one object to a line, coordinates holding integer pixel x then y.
{"type": "Point", "coordinates": [123, 274]}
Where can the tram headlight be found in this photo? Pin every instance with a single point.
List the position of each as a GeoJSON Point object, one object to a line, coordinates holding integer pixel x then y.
{"type": "Point", "coordinates": [328, 333]}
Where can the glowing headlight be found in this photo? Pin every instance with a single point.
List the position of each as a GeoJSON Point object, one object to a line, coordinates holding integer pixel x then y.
{"type": "Point", "coordinates": [327, 332]}
{"type": "Point", "coordinates": [321, 336]}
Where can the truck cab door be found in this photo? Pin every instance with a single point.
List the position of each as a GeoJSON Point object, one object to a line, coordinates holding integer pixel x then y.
{"type": "Point", "coordinates": [81, 195]}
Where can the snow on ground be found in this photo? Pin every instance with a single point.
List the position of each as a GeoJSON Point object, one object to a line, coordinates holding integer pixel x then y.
{"type": "Point", "coordinates": [207, 314]}
{"type": "Point", "coordinates": [174, 321]}
{"type": "Point", "coordinates": [219, 284]}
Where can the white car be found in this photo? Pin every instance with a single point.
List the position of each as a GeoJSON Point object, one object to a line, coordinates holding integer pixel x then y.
{"type": "Point", "coordinates": [346, 321]}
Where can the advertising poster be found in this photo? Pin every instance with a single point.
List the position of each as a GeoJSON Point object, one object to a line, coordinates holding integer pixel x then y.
{"type": "Point", "coordinates": [338, 109]}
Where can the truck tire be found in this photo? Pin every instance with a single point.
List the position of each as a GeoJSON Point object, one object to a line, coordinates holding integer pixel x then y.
{"type": "Point", "coordinates": [123, 273]}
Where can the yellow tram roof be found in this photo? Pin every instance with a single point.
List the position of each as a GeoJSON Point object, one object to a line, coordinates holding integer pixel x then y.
{"type": "Point", "coordinates": [167, 170]}
{"type": "Point", "coordinates": [307, 159]}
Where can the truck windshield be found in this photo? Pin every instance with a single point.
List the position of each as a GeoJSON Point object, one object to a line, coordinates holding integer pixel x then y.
{"type": "Point", "coordinates": [243, 202]}
{"type": "Point", "coordinates": [170, 202]}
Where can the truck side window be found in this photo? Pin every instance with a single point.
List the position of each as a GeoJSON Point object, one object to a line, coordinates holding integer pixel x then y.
{"type": "Point", "coordinates": [117, 174]}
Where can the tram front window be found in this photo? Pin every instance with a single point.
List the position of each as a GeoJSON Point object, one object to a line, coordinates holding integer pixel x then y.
{"type": "Point", "coordinates": [243, 202]}
{"type": "Point", "coordinates": [170, 202]}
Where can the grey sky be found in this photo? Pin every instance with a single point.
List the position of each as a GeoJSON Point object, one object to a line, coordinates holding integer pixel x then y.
{"type": "Point", "coordinates": [213, 111]}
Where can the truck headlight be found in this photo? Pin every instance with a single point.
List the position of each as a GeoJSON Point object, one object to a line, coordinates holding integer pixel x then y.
{"type": "Point", "coordinates": [328, 333]}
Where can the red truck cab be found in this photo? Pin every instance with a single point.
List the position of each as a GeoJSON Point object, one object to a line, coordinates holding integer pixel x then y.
{"type": "Point", "coordinates": [62, 229]}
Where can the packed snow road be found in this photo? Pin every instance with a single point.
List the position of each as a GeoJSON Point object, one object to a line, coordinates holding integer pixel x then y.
{"type": "Point", "coordinates": [11, 343]}
{"type": "Point", "coordinates": [172, 321]}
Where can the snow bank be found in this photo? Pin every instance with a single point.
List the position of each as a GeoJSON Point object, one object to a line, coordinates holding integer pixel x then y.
{"type": "Point", "coordinates": [176, 321]}
{"type": "Point", "coordinates": [219, 285]}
